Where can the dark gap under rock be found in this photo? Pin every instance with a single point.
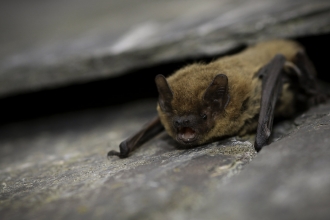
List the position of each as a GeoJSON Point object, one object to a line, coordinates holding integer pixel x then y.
{"type": "Point", "coordinates": [135, 85]}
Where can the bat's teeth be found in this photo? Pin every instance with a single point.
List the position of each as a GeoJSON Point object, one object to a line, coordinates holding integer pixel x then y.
{"type": "Point", "coordinates": [187, 134]}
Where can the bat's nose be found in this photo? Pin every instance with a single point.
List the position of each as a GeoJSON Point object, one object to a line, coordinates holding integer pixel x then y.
{"type": "Point", "coordinates": [181, 122]}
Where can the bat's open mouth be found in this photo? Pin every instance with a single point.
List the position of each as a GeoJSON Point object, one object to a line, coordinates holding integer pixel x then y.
{"type": "Point", "coordinates": [187, 134]}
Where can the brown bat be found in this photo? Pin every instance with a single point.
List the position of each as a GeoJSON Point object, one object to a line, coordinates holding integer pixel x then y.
{"type": "Point", "coordinates": [233, 95]}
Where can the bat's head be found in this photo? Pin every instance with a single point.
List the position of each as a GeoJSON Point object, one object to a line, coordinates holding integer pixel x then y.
{"type": "Point", "coordinates": [191, 125]}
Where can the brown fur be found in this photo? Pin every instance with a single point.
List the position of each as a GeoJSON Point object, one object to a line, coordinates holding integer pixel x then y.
{"type": "Point", "coordinates": [239, 117]}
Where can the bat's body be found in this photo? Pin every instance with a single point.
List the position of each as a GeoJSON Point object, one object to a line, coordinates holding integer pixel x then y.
{"type": "Point", "coordinates": [190, 83]}
{"type": "Point", "coordinates": [201, 103]}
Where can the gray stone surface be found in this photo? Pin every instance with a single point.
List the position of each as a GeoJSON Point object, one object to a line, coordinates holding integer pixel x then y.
{"type": "Point", "coordinates": [57, 168]}
{"type": "Point", "coordinates": [46, 44]}
{"type": "Point", "coordinates": [289, 179]}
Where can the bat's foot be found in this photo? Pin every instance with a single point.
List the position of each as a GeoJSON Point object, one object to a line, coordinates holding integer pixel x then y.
{"type": "Point", "coordinates": [318, 99]}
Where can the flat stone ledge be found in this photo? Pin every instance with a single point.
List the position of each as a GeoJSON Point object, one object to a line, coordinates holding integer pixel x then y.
{"type": "Point", "coordinates": [57, 168]}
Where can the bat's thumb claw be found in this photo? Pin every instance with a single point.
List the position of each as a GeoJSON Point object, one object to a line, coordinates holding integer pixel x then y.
{"type": "Point", "coordinates": [113, 153]}
{"type": "Point", "coordinates": [124, 151]}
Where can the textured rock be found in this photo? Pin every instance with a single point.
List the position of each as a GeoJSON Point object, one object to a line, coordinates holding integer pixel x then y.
{"type": "Point", "coordinates": [58, 43]}
{"type": "Point", "coordinates": [289, 179]}
{"type": "Point", "coordinates": [57, 168]}
{"type": "Point", "coordinates": [60, 164]}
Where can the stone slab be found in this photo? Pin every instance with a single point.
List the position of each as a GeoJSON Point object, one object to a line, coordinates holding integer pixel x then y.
{"type": "Point", "coordinates": [46, 44]}
{"type": "Point", "coordinates": [57, 168]}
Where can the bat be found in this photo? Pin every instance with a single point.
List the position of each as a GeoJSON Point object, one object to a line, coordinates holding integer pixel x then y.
{"type": "Point", "coordinates": [233, 95]}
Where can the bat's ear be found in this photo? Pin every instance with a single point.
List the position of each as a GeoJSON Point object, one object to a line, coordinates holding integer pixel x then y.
{"type": "Point", "coordinates": [165, 93]}
{"type": "Point", "coordinates": [216, 95]}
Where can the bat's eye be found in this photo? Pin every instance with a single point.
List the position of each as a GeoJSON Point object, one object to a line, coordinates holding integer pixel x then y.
{"type": "Point", "coordinates": [204, 116]}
